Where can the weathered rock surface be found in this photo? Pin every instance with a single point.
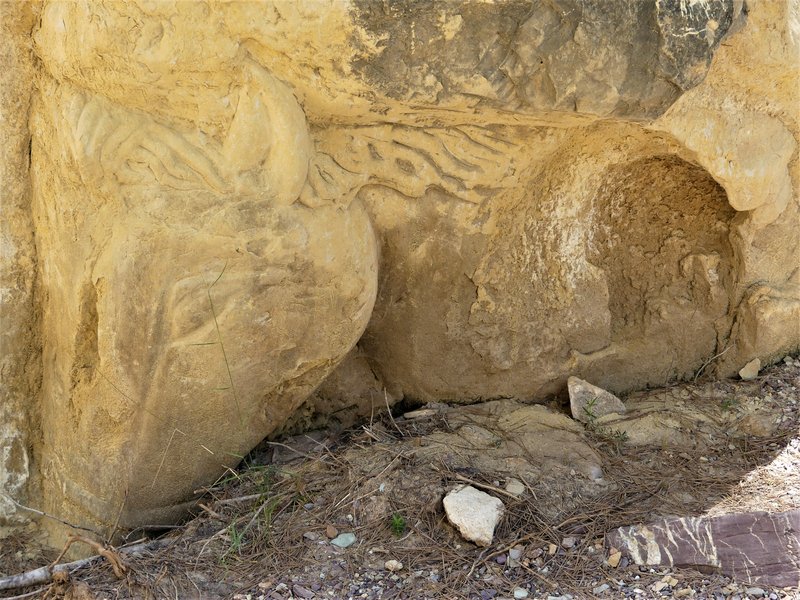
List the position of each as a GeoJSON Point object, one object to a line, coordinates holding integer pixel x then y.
{"type": "Point", "coordinates": [588, 402]}
{"type": "Point", "coordinates": [20, 366]}
{"type": "Point", "coordinates": [762, 548]}
{"type": "Point", "coordinates": [568, 55]}
{"type": "Point", "coordinates": [197, 306]}
{"type": "Point", "coordinates": [474, 513]}
{"type": "Point", "coordinates": [504, 436]}
{"type": "Point", "coordinates": [680, 419]}
{"type": "Point", "coordinates": [502, 195]}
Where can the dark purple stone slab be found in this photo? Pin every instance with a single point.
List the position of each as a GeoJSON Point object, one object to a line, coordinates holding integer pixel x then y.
{"type": "Point", "coordinates": [757, 547]}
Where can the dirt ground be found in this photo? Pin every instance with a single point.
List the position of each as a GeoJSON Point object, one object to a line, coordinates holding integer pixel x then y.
{"type": "Point", "coordinates": [265, 531]}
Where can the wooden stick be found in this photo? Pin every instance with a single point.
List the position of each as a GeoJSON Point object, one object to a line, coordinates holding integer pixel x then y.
{"type": "Point", "coordinates": [477, 484]}
{"type": "Point", "coordinates": [389, 410]}
{"type": "Point", "coordinates": [45, 574]}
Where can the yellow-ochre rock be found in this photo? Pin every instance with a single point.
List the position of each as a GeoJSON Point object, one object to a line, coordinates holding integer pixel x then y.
{"type": "Point", "coordinates": [222, 221]}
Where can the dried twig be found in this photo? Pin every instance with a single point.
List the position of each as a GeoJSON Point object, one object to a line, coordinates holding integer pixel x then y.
{"type": "Point", "coordinates": [295, 450]}
{"type": "Point", "coordinates": [709, 361]}
{"type": "Point", "coordinates": [107, 552]}
{"type": "Point", "coordinates": [45, 574]}
{"type": "Point", "coordinates": [212, 513]}
{"type": "Point", "coordinates": [389, 412]}
{"type": "Point", "coordinates": [119, 516]}
{"type": "Point", "coordinates": [41, 513]}
{"type": "Point", "coordinates": [238, 499]}
{"type": "Point", "coordinates": [484, 486]}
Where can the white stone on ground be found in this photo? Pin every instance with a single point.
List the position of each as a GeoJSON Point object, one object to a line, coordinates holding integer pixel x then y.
{"type": "Point", "coordinates": [750, 370]}
{"type": "Point", "coordinates": [393, 565]}
{"type": "Point", "coordinates": [588, 402]}
{"type": "Point", "coordinates": [474, 513]}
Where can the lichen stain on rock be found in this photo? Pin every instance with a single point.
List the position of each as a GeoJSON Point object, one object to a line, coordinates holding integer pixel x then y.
{"type": "Point", "coordinates": [627, 59]}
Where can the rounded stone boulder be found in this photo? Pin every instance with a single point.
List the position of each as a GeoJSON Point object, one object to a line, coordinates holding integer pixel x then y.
{"type": "Point", "coordinates": [191, 299]}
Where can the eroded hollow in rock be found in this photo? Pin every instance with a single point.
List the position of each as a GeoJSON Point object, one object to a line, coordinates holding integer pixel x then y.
{"type": "Point", "coordinates": [661, 235]}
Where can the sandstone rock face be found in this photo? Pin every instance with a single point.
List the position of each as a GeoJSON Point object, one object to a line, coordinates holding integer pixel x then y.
{"type": "Point", "coordinates": [19, 338]}
{"type": "Point", "coordinates": [224, 196]}
{"type": "Point", "coordinates": [627, 59]}
{"type": "Point", "coordinates": [193, 299]}
{"type": "Point", "coordinates": [650, 248]}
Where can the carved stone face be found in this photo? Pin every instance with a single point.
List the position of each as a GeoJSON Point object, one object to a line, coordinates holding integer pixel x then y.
{"type": "Point", "coordinates": [194, 300]}
{"type": "Point", "coordinates": [213, 183]}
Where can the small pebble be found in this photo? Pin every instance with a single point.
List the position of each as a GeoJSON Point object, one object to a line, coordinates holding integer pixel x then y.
{"type": "Point", "coordinates": [331, 532]}
{"type": "Point", "coordinates": [500, 559]}
{"type": "Point", "coordinates": [301, 592]}
{"type": "Point", "coordinates": [659, 585]}
{"type": "Point", "coordinates": [520, 593]}
{"type": "Point", "coordinates": [393, 565]}
{"type": "Point", "coordinates": [488, 594]}
{"type": "Point", "coordinates": [614, 559]}
{"type": "Point", "coordinates": [600, 589]}
{"type": "Point", "coordinates": [515, 487]}
{"type": "Point", "coordinates": [756, 592]}
{"type": "Point", "coordinates": [568, 542]}
{"type": "Point", "coordinates": [344, 540]}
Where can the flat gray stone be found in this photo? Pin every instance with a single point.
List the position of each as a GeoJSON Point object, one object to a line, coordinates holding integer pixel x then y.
{"type": "Point", "coordinates": [588, 402]}
{"type": "Point", "coordinates": [344, 540]}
